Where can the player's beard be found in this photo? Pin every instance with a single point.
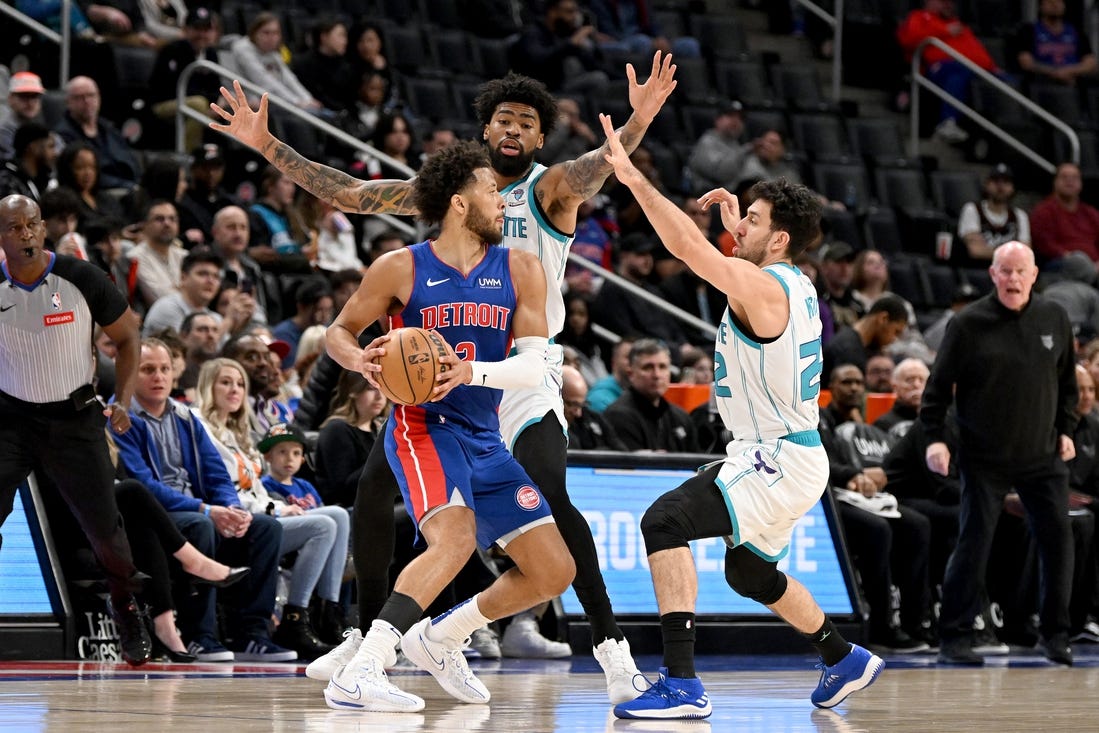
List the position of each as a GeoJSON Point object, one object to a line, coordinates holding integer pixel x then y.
{"type": "Point", "coordinates": [510, 166]}
{"type": "Point", "coordinates": [483, 228]}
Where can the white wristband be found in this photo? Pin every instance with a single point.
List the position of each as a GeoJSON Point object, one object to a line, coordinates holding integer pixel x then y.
{"type": "Point", "coordinates": [525, 369]}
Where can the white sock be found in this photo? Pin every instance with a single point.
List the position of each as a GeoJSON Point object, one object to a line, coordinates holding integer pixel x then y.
{"type": "Point", "coordinates": [380, 642]}
{"type": "Point", "coordinates": [457, 623]}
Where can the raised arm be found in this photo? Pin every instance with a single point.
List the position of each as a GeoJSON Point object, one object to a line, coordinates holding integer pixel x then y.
{"type": "Point", "coordinates": [345, 192]}
{"type": "Point", "coordinates": [566, 185]}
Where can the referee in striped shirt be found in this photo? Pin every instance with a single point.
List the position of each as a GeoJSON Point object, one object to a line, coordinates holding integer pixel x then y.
{"type": "Point", "coordinates": [51, 421]}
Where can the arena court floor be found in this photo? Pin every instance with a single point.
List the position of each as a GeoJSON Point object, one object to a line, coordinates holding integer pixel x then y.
{"type": "Point", "coordinates": [750, 694]}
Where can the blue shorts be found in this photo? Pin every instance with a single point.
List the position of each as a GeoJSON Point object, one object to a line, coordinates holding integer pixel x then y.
{"type": "Point", "coordinates": [439, 462]}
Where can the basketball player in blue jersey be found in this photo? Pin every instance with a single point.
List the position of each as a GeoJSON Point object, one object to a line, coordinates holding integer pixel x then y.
{"type": "Point", "coordinates": [767, 361]}
{"type": "Point", "coordinates": [540, 217]}
{"type": "Point", "coordinates": [460, 484]}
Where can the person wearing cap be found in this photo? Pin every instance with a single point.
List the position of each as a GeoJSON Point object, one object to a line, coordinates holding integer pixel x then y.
{"type": "Point", "coordinates": [718, 156]}
{"type": "Point", "coordinates": [25, 92]}
{"type": "Point", "coordinates": [1062, 222]}
{"type": "Point", "coordinates": [31, 171]}
{"type": "Point", "coordinates": [986, 224]}
{"type": "Point", "coordinates": [837, 272]}
{"type": "Point", "coordinates": [205, 196]}
{"type": "Point", "coordinates": [199, 40]}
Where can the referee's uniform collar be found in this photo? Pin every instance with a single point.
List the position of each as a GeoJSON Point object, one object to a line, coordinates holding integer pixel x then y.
{"type": "Point", "coordinates": [29, 287]}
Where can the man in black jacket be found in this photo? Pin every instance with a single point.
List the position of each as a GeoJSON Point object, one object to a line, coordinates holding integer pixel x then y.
{"type": "Point", "coordinates": [200, 38]}
{"type": "Point", "coordinates": [588, 430]}
{"type": "Point", "coordinates": [1008, 361]}
{"type": "Point", "coordinates": [643, 419]}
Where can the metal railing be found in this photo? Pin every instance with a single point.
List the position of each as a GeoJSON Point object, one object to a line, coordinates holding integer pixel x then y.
{"type": "Point", "coordinates": [62, 39]}
{"type": "Point", "coordinates": [227, 74]}
{"type": "Point", "coordinates": [835, 22]}
{"type": "Point", "coordinates": [918, 80]}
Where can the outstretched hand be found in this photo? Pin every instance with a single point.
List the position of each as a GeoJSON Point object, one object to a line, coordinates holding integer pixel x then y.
{"type": "Point", "coordinates": [728, 203]}
{"type": "Point", "coordinates": [647, 99]}
{"type": "Point", "coordinates": [245, 124]}
{"type": "Point", "coordinates": [624, 169]}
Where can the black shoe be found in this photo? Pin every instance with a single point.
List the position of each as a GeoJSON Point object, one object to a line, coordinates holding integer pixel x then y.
{"type": "Point", "coordinates": [234, 575]}
{"type": "Point", "coordinates": [161, 652]}
{"type": "Point", "coordinates": [959, 652]}
{"type": "Point", "coordinates": [1057, 649]}
{"type": "Point", "coordinates": [899, 642]}
{"type": "Point", "coordinates": [296, 633]}
{"type": "Point", "coordinates": [331, 623]}
{"type": "Point", "coordinates": [133, 637]}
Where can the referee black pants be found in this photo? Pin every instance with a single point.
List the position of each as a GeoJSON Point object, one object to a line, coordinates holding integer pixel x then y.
{"type": "Point", "coordinates": [70, 448]}
{"type": "Point", "coordinates": [1044, 494]}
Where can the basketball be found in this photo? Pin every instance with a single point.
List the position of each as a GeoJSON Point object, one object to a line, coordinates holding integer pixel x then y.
{"type": "Point", "coordinates": [410, 365]}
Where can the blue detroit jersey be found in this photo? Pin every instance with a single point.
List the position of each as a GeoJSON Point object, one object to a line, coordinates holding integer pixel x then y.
{"type": "Point", "coordinates": [473, 313]}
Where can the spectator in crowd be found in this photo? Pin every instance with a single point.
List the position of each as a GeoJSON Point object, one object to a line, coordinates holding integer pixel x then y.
{"type": "Point", "coordinates": [1074, 290]}
{"type": "Point", "coordinates": [205, 195]}
{"type": "Point", "coordinates": [608, 389]}
{"type": "Point", "coordinates": [880, 327]}
{"type": "Point", "coordinates": [279, 237]}
{"type": "Point", "coordinates": [939, 19]}
{"type": "Point", "coordinates": [641, 417]}
{"type": "Point", "coordinates": [324, 69]}
{"type": "Point", "coordinates": [718, 155]}
{"type": "Point", "coordinates": [253, 351]}
{"type": "Point", "coordinates": [570, 138]}
{"type": "Point", "coordinates": [118, 166]}
{"type": "Point", "coordinates": [31, 171]}
{"type": "Point", "coordinates": [199, 280]}
{"type": "Point", "coordinates": [1007, 363]}
{"type": "Point", "coordinates": [588, 430]}
{"type": "Point", "coordinates": [199, 333]}
{"type": "Point", "coordinates": [199, 41]}
{"type": "Point", "coordinates": [60, 214]}
{"type": "Point", "coordinates": [888, 546]}
{"type": "Point", "coordinates": [372, 100]}
{"type": "Point", "coordinates": [879, 373]}
{"type": "Point", "coordinates": [159, 256]}
{"type": "Point", "coordinates": [629, 26]}
{"type": "Point", "coordinates": [435, 139]}
{"type": "Point", "coordinates": [348, 433]}
{"type": "Point", "coordinates": [963, 295]}
{"type": "Point", "coordinates": [622, 312]}
{"type": "Point", "coordinates": [163, 179]}
{"type": "Point", "coordinates": [169, 451]}
{"type": "Point", "coordinates": [578, 334]}
{"type": "Point", "coordinates": [230, 233]}
{"type": "Point", "coordinates": [393, 136]}
{"type": "Point", "coordinates": [313, 299]}
{"type": "Point", "coordinates": [870, 281]}
{"type": "Point", "coordinates": [908, 381]}
{"type": "Point", "coordinates": [104, 245]}
{"type": "Point", "coordinates": [367, 50]}
{"type": "Point", "coordinates": [593, 242]}
{"type": "Point", "coordinates": [666, 265]}
{"type": "Point", "coordinates": [78, 169]}
{"type": "Point", "coordinates": [766, 161]}
{"type": "Point", "coordinates": [25, 92]}
{"type": "Point", "coordinates": [162, 20]}
{"type": "Point", "coordinates": [986, 224]}
{"type": "Point", "coordinates": [1062, 223]}
{"type": "Point", "coordinates": [559, 49]}
{"type": "Point", "coordinates": [336, 246]}
{"type": "Point", "coordinates": [696, 296]}
{"type": "Point", "coordinates": [1083, 482]}
{"type": "Point", "coordinates": [344, 284]}
{"type": "Point", "coordinates": [1051, 50]}
{"type": "Point", "coordinates": [836, 274]}
{"type": "Point", "coordinates": [258, 57]}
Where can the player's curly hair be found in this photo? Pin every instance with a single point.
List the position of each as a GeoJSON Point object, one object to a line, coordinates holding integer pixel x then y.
{"type": "Point", "coordinates": [444, 174]}
{"type": "Point", "coordinates": [521, 90]}
{"type": "Point", "coordinates": [794, 209]}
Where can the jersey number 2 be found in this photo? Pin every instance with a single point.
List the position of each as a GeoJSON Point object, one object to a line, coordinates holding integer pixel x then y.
{"type": "Point", "coordinates": [810, 375]}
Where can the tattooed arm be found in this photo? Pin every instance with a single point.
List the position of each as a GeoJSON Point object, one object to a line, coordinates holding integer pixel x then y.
{"type": "Point", "coordinates": [345, 192]}
{"type": "Point", "coordinates": [566, 185]}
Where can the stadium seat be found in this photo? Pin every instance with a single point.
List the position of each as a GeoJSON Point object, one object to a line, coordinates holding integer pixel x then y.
{"type": "Point", "coordinates": [746, 81]}
{"type": "Point", "coordinates": [819, 135]}
{"type": "Point", "coordinates": [953, 189]}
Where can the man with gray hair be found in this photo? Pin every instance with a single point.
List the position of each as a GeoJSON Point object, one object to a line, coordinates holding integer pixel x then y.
{"type": "Point", "coordinates": [909, 380]}
{"type": "Point", "coordinates": [643, 419]}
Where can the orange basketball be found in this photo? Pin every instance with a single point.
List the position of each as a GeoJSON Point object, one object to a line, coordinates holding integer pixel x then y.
{"type": "Point", "coordinates": [410, 365]}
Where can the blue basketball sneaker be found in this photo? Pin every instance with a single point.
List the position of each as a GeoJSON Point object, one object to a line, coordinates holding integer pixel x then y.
{"type": "Point", "coordinates": [670, 697]}
{"type": "Point", "coordinates": [857, 670]}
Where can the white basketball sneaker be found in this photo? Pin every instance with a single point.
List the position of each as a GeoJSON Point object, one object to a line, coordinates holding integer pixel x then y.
{"type": "Point", "coordinates": [624, 681]}
{"type": "Point", "coordinates": [448, 666]}
{"type": "Point", "coordinates": [322, 668]}
{"type": "Point", "coordinates": [362, 684]}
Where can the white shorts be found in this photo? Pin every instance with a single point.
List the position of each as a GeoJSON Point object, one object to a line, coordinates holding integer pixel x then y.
{"type": "Point", "coordinates": [521, 408]}
{"type": "Point", "coordinates": [767, 487]}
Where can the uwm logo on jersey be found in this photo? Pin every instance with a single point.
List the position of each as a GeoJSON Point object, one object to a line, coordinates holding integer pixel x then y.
{"type": "Point", "coordinates": [485, 315]}
{"type": "Point", "coordinates": [491, 283]}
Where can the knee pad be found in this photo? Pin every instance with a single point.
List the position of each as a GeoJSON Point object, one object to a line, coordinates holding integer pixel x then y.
{"type": "Point", "coordinates": [753, 577]}
{"type": "Point", "coordinates": [662, 529]}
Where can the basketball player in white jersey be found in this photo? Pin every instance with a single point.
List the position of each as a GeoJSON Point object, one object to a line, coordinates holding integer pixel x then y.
{"type": "Point", "coordinates": [767, 363]}
{"type": "Point", "coordinates": [541, 206]}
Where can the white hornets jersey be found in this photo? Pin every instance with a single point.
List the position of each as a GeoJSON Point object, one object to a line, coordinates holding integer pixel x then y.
{"type": "Point", "coordinates": [769, 390]}
{"type": "Point", "coordinates": [525, 228]}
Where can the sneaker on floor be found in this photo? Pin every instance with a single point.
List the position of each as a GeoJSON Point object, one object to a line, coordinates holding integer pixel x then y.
{"type": "Point", "coordinates": [1089, 634]}
{"type": "Point", "coordinates": [624, 681]}
{"type": "Point", "coordinates": [668, 698]}
{"type": "Point", "coordinates": [447, 665]}
{"type": "Point", "coordinates": [363, 685]}
{"type": "Point", "coordinates": [523, 640]}
{"type": "Point", "coordinates": [209, 649]}
{"type": "Point", "coordinates": [133, 636]}
{"type": "Point", "coordinates": [322, 668]}
{"type": "Point", "coordinates": [986, 643]}
{"type": "Point", "coordinates": [1057, 649]}
{"type": "Point", "coordinates": [854, 672]}
{"type": "Point", "coordinates": [950, 132]}
{"type": "Point", "coordinates": [485, 642]}
{"type": "Point", "coordinates": [898, 641]}
{"type": "Point", "coordinates": [959, 652]}
{"type": "Point", "coordinates": [261, 649]}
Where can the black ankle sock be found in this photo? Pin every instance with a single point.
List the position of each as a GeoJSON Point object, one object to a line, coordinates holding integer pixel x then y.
{"type": "Point", "coordinates": [678, 630]}
{"type": "Point", "coordinates": [829, 643]}
{"type": "Point", "coordinates": [603, 624]}
{"type": "Point", "coordinates": [401, 611]}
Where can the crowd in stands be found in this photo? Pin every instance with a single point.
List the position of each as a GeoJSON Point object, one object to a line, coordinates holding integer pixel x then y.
{"type": "Point", "coordinates": [236, 272]}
